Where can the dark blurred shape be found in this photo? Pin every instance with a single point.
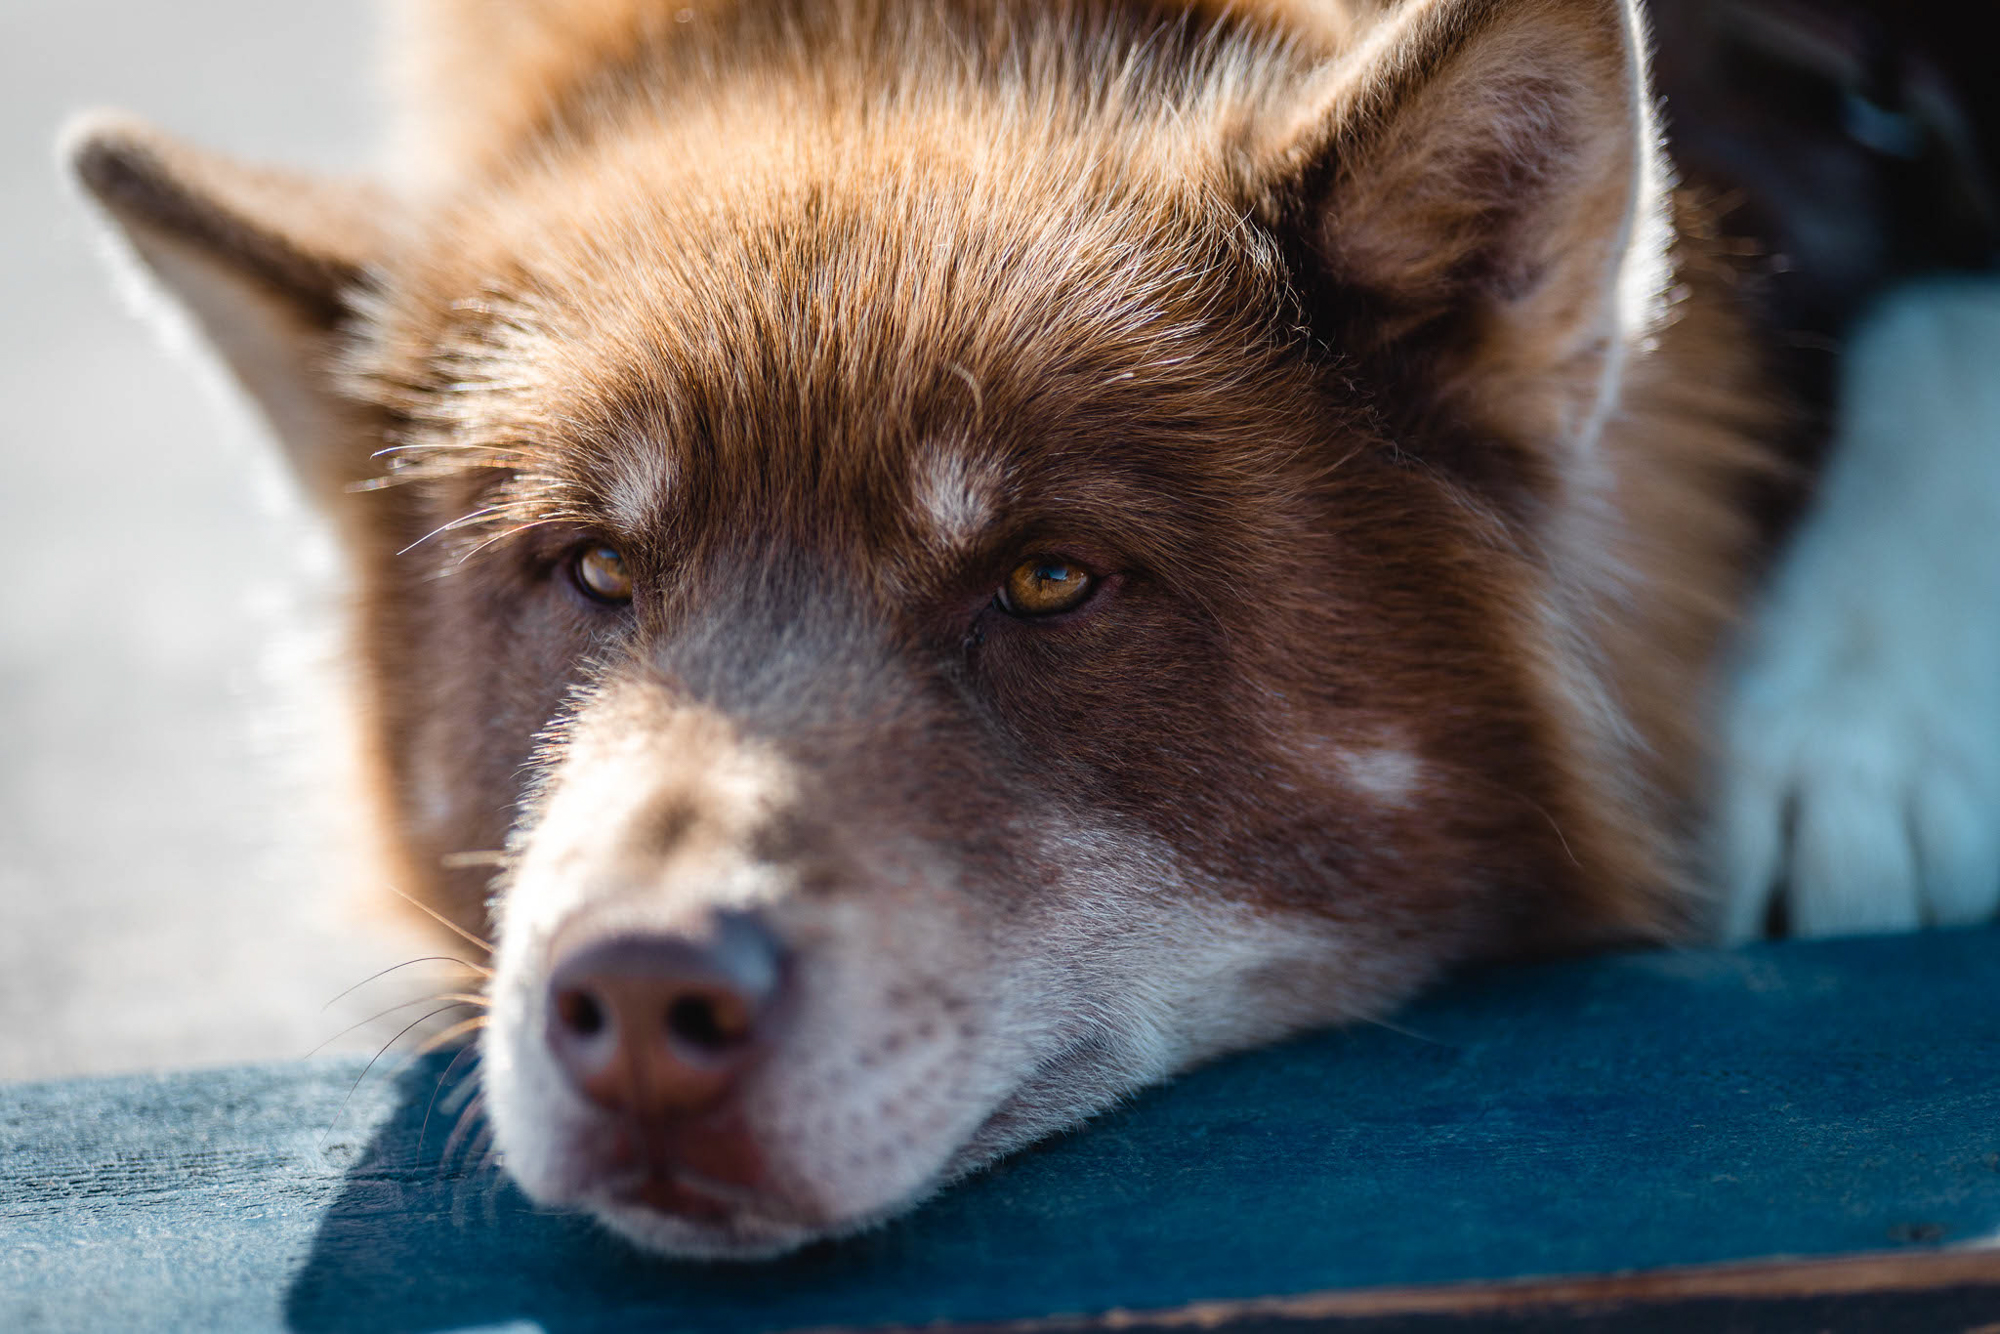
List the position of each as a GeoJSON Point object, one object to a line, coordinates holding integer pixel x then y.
{"type": "Point", "coordinates": [1852, 139]}
{"type": "Point", "coordinates": [1842, 147]}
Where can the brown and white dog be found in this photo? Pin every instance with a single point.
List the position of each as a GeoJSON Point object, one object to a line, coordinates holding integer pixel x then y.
{"type": "Point", "coordinates": [975, 553]}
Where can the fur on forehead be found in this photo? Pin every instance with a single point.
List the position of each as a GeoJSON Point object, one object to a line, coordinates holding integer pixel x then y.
{"type": "Point", "coordinates": [852, 265]}
{"type": "Point", "coordinates": [465, 64]}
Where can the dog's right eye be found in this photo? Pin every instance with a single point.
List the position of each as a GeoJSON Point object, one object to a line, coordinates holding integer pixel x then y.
{"type": "Point", "coordinates": [599, 570]}
{"type": "Point", "coordinates": [1045, 586]}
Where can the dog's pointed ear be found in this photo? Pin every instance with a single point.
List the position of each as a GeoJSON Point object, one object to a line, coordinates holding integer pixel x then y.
{"type": "Point", "coordinates": [1479, 183]}
{"type": "Point", "coordinates": [267, 262]}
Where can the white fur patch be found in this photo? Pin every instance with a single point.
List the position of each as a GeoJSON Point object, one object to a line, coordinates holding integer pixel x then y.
{"type": "Point", "coordinates": [1390, 775]}
{"type": "Point", "coordinates": [1380, 767]}
{"type": "Point", "coordinates": [1146, 970]}
{"type": "Point", "coordinates": [639, 489]}
{"type": "Point", "coordinates": [925, 1039]}
{"type": "Point", "coordinates": [954, 495]}
{"type": "Point", "coordinates": [1862, 732]}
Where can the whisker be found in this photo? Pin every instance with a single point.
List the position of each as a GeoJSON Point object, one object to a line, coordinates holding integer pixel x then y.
{"type": "Point", "coordinates": [341, 1110]}
{"type": "Point", "coordinates": [464, 861]}
{"type": "Point", "coordinates": [454, 1101]}
{"type": "Point", "coordinates": [467, 1118]}
{"type": "Point", "coordinates": [424, 460]}
{"type": "Point", "coordinates": [1400, 1031]}
{"type": "Point", "coordinates": [495, 1182]}
{"type": "Point", "coordinates": [458, 1030]}
{"type": "Point", "coordinates": [467, 1182]}
{"type": "Point", "coordinates": [432, 1105]}
{"type": "Point", "coordinates": [483, 453]}
{"type": "Point", "coordinates": [460, 522]}
{"type": "Point", "coordinates": [479, 1152]}
{"type": "Point", "coordinates": [457, 1000]}
{"type": "Point", "coordinates": [428, 958]}
{"type": "Point", "coordinates": [442, 920]}
{"type": "Point", "coordinates": [474, 518]}
{"type": "Point", "coordinates": [513, 530]}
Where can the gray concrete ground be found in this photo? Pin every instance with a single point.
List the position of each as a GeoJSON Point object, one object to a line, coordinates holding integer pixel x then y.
{"type": "Point", "coordinates": [171, 892]}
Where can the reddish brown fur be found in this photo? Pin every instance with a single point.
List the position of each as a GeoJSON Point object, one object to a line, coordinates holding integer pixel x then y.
{"type": "Point", "coordinates": [1290, 349]}
{"type": "Point", "coordinates": [1411, 525]}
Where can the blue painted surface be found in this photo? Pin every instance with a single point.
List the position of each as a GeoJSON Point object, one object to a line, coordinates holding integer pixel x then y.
{"type": "Point", "coordinates": [1627, 1113]}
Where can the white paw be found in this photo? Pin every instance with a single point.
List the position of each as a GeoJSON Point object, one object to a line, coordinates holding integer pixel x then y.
{"type": "Point", "coordinates": [1861, 732]}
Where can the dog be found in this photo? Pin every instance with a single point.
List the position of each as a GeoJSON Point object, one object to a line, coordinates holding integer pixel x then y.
{"type": "Point", "coordinates": [964, 556]}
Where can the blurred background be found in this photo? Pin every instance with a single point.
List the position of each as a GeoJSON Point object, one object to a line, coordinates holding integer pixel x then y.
{"type": "Point", "coordinates": [171, 876]}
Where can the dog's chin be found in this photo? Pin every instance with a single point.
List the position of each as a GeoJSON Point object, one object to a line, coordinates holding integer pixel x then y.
{"type": "Point", "coordinates": [672, 1225]}
{"type": "Point", "coordinates": [687, 1223]}
{"type": "Point", "coordinates": [738, 1234]}
{"type": "Point", "coordinates": [677, 1226]}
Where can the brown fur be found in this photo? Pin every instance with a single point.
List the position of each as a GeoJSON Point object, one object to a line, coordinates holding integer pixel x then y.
{"type": "Point", "coordinates": [1297, 328]}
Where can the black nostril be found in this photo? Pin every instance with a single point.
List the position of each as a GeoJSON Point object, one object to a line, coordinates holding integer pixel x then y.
{"type": "Point", "coordinates": [579, 1012]}
{"type": "Point", "coordinates": [709, 1023]}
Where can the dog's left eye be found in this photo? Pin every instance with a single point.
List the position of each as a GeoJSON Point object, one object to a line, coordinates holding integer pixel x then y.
{"type": "Point", "coordinates": [599, 570]}
{"type": "Point", "coordinates": [1045, 586]}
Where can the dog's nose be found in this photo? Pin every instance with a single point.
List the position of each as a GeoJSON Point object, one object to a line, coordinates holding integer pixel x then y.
{"type": "Point", "coordinates": [657, 1024]}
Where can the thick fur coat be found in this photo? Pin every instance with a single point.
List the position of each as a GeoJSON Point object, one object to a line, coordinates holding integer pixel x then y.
{"type": "Point", "coordinates": [1018, 545]}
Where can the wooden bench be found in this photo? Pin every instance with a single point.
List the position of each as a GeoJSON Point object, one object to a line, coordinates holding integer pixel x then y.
{"type": "Point", "coordinates": [1793, 1136]}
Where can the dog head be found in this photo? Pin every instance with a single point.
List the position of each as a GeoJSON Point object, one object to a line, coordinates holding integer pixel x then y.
{"type": "Point", "coordinates": [973, 556]}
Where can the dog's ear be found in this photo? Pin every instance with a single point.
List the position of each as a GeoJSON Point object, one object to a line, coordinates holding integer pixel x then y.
{"type": "Point", "coordinates": [1477, 184]}
{"type": "Point", "coordinates": [267, 262]}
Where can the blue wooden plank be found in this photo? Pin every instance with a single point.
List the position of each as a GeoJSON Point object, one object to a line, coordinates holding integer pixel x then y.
{"type": "Point", "coordinates": [1804, 1099]}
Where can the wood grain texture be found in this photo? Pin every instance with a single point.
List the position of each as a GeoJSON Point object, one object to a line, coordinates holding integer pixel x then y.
{"type": "Point", "coordinates": [1658, 1128]}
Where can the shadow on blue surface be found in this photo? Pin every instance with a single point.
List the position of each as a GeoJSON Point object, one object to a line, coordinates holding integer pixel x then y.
{"type": "Point", "coordinates": [1616, 1114]}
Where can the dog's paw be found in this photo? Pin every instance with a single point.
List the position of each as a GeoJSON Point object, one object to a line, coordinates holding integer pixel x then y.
{"type": "Point", "coordinates": [1861, 731]}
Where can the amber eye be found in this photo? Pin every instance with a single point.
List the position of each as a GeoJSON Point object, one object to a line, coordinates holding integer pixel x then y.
{"type": "Point", "coordinates": [600, 572]}
{"type": "Point", "coordinates": [1045, 586]}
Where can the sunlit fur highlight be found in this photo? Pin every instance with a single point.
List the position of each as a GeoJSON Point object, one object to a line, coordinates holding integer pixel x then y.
{"type": "Point", "coordinates": [1347, 345]}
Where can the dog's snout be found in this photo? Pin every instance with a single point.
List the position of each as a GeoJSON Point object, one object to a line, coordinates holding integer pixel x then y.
{"type": "Point", "coordinates": [653, 1024]}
